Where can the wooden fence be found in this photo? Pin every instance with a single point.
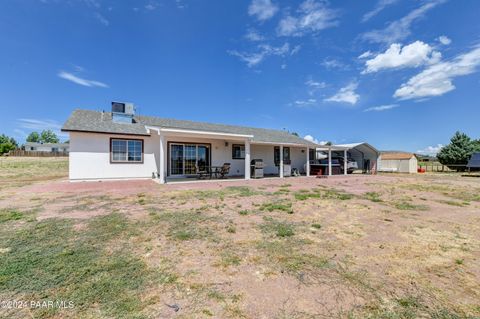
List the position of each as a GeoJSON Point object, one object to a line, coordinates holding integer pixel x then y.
{"type": "Point", "coordinates": [22, 153]}
{"type": "Point", "coordinates": [437, 167]}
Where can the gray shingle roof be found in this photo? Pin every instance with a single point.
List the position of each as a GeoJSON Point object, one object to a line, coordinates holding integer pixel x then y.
{"type": "Point", "coordinates": [101, 122]}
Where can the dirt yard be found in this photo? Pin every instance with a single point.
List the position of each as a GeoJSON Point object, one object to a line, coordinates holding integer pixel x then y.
{"type": "Point", "coordinates": [387, 246]}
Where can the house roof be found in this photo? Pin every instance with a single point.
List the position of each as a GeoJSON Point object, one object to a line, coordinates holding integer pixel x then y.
{"type": "Point", "coordinates": [34, 144]}
{"type": "Point", "coordinates": [397, 155]}
{"type": "Point", "coordinates": [101, 122]}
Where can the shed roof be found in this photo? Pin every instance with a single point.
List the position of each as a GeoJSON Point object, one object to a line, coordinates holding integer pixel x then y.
{"type": "Point", "coordinates": [101, 122]}
{"type": "Point", "coordinates": [397, 155]}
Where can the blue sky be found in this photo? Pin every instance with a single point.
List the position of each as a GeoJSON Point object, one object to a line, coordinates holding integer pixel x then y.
{"type": "Point", "coordinates": [400, 74]}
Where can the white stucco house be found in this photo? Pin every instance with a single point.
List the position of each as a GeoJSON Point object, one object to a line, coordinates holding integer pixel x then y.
{"type": "Point", "coordinates": [47, 147]}
{"type": "Point", "coordinates": [122, 145]}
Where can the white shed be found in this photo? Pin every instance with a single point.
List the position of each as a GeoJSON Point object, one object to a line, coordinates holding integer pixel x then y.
{"type": "Point", "coordinates": [398, 162]}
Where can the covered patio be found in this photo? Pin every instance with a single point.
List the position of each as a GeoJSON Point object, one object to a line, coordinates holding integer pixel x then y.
{"type": "Point", "coordinates": [189, 155]}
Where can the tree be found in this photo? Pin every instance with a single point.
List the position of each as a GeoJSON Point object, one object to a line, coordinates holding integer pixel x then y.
{"type": "Point", "coordinates": [48, 136]}
{"type": "Point", "coordinates": [458, 152]}
{"type": "Point", "coordinates": [7, 144]}
{"type": "Point", "coordinates": [33, 137]}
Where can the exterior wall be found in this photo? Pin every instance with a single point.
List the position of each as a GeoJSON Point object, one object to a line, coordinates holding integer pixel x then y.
{"type": "Point", "coordinates": [361, 157]}
{"type": "Point", "coordinates": [90, 158]}
{"type": "Point", "coordinates": [401, 166]}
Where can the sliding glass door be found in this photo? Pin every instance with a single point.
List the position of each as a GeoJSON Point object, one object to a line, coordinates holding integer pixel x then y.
{"type": "Point", "coordinates": [184, 157]}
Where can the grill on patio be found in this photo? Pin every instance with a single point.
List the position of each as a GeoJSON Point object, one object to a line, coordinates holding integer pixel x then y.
{"type": "Point", "coordinates": [256, 168]}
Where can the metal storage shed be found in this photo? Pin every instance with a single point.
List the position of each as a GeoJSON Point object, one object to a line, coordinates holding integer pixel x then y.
{"type": "Point", "coordinates": [399, 162]}
{"type": "Point", "coordinates": [474, 161]}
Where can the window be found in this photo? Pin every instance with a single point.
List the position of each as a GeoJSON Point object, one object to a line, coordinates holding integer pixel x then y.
{"type": "Point", "coordinates": [238, 151]}
{"type": "Point", "coordinates": [126, 151]}
{"type": "Point", "coordinates": [312, 154]}
{"type": "Point", "coordinates": [286, 155]}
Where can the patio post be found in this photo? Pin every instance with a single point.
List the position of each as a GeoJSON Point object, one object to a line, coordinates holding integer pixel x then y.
{"type": "Point", "coordinates": [329, 161]}
{"type": "Point", "coordinates": [307, 167]}
{"type": "Point", "coordinates": [344, 162]}
{"type": "Point", "coordinates": [247, 159]}
{"type": "Point", "coordinates": [281, 162]}
{"type": "Point", "coordinates": [162, 160]}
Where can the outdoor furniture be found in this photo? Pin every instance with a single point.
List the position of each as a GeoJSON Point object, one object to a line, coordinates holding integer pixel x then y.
{"type": "Point", "coordinates": [222, 171]}
{"type": "Point", "coordinates": [202, 173]}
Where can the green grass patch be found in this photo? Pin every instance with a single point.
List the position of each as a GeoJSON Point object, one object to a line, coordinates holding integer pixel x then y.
{"type": "Point", "coordinates": [278, 228]}
{"type": "Point", "coordinates": [277, 206]}
{"type": "Point", "coordinates": [316, 225]}
{"type": "Point", "coordinates": [322, 193]}
{"type": "Point", "coordinates": [373, 196]}
{"type": "Point", "coordinates": [50, 260]}
{"type": "Point", "coordinates": [185, 225]}
{"type": "Point", "coordinates": [10, 214]}
{"type": "Point", "coordinates": [404, 205]}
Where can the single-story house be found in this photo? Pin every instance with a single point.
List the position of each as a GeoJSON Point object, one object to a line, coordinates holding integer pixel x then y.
{"type": "Point", "coordinates": [400, 162]}
{"type": "Point", "coordinates": [123, 145]}
{"type": "Point", "coordinates": [47, 147]}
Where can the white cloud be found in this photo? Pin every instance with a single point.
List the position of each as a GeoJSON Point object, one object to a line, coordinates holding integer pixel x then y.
{"type": "Point", "coordinates": [312, 139]}
{"type": "Point", "coordinates": [253, 35]}
{"type": "Point", "coordinates": [36, 124]}
{"type": "Point", "coordinates": [365, 55]}
{"type": "Point", "coordinates": [39, 125]}
{"type": "Point", "coordinates": [80, 81]}
{"type": "Point", "coordinates": [437, 79]}
{"type": "Point", "coordinates": [396, 57]}
{"type": "Point", "coordinates": [304, 103]}
{"type": "Point", "coordinates": [330, 64]}
{"type": "Point", "coordinates": [381, 4]}
{"type": "Point", "coordinates": [381, 108]}
{"type": "Point", "coordinates": [263, 50]}
{"type": "Point", "coordinates": [443, 39]}
{"type": "Point", "coordinates": [312, 16]}
{"type": "Point", "coordinates": [431, 150]}
{"type": "Point", "coordinates": [151, 6]}
{"type": "Point", "coordinates": [400, 29]}
{"type": "Point", "coordinates": [262, 9]}
{"type": "Point", "coordinates": [102, 19]}
{"type": "Point", "coordinates": [314, 86]}
{"type": "Point", "coordinates": [346, 95]}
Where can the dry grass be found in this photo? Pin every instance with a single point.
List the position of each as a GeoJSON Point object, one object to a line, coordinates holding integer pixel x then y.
{"type": "Point", "coordinates": [401, 247]}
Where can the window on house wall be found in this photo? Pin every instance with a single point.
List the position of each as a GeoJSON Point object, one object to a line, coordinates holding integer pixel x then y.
{"type": "Point", "coordinates": [238, 151]}
{"type": "Point", "coordinates": [286, 155]}
{"type": "Point", "coordinates": [126, 151]}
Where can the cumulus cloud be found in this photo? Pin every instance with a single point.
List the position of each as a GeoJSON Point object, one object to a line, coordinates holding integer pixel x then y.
{"type": "Point", "coordinates": [396, 57]}
{"type": "Point", "coordinates": [312, 16]}
{"type": "Point", "coordinates": [305, 103]}
{"type": "Point", "coordinates": [262, 9]}
{"type": "Point", "coordinates": [80, 81]}
{"type": "Point", "coordinates": [380, 6]}
{"type": "Point", "coordinates": [312, 139]}
{"type": "Point", "coordinates": [431, 150]}
{"type": "Point", "coordinates": [443, 39]}
{"type": "Point", "coordinates": [437, 79]}
{"type": "Point", "coordinates": [263, 50]}
{"type": "Point", "coordinates": [346, 95]}
{"type": "Point", "coordinates": [253, 35]}
{"type": "Point", "coordinates": [381, 108]}
{"type": "Point", "coordinates": [400, 29]}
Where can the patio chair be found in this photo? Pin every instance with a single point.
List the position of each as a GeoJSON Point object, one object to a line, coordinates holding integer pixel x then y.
{"type": "Point", "coordinates": [223, 171]}
{"type": "Point", "coordinates": [201, 173]}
